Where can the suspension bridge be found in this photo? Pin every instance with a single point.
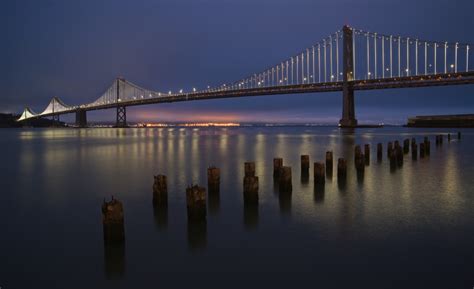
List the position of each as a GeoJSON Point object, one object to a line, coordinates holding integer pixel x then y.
{"type": "Point", "coordinates": [346, 61]}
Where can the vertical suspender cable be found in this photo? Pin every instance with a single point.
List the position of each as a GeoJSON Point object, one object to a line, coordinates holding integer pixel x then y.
{"type": "Point", "coordinates": [391, 56]}
{"type": "Point", "coordinates": [383, 56]}
{"type": "Point", "coordinates": [337, 56]}
{"type": "Point", "coordinates": [445, 57]}
{"type": "Point", "coordinates": [399, 56]}
{"type": "Point", "coordinates": [319, 62]}
{"type": "Point", "coordinates": [375, 55]}
{"type": "Point", "coordinates": [330, 59]}
{"type": "Point", "coordinates": [325, 70]}
{"type": "Point", "coordinates": [408, 56]}
{"type": "Point", "coordinates": [314, 72]}
{"type": "Point", "coordinates": [368, 57]}
{"type": "Point", "coordinates": [456, 58]}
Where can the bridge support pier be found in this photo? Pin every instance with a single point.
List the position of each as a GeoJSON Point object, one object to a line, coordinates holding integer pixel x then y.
{"type": "Point", "coordinates": [348, 111]}
{"type": "Point", "coordinates": [81, 118]}
{"type": "Point", "coordinates": [121, 120]}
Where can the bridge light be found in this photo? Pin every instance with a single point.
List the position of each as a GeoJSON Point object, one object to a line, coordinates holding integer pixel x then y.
{"type": "Point", "coordinates": [180, 91]}
{"type": "Point", "coordinates": [194, 89]}
{"type": "Point", "coordinates": [159, 93]}
{"type": "Point", "coordinates": [169, 92]}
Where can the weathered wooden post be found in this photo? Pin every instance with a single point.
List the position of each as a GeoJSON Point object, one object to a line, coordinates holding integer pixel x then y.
{"type": "Point", "coordinates": [427, 147]}
{"type": "Point", "coordinates": [249, 169]}
{"type": "Point", "coordinates": [319, 174]}
{"type": "Point", "coordinates": [196, 203]}
{"type": "Point", "coordinates": [250, 190]}
{"type": "Point", "coordinates": [406, 146]}
{"type": "Point", "coordinates": [399, 154]}
{"type": "Point", "coordinates": [341, 168]}
{"type": "Point", "coordinates": [305, 164]}
{"type": "Point", "coordinates": [304, 168]}
{"type": "Point", "coordinates": [160, 191]}
{"type": "Point", "coordinates": [449, 137]}
{"type": "Point", "coordinates": [112, 220]}
{"type": "Point", "coordinates": [360, 167]}
{"type": "Point", "coordinates": [389, 149]}
{"type": "Point", "coordinates": [329, 163]}
{"type": "Point", "coordinates": [440, 139]}
{"type": "Point", "coordinates": [367, 153]}
{"type": "Point", "coordinates": [393, 159]}
{"type": "Point", "coordinates": [285, 184]}
{"type": "Point", "coordinates": [459, 135]}
{"type": "Point", "coordinates": [422, 150]}
{"type": "Point", "coordinates": [250, 184]}
{"type": "Point", "coordinates": [413, 141]}
{"type": "Point", "coordinates": [160, 201]}
{"type": "Point", "coordinates": [357, 153]}
{"type": "Point", "coordinates": [414, 152]}
{"type": "Point", "coordinates": [213, 179]}
{"type": "Point", "coordinates": [277, 165]}
{"type": "Point", "coordinates": [379, 152]}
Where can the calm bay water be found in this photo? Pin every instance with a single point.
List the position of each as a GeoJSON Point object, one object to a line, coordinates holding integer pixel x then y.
{"type": "Point", "coordinates": [409, 228]}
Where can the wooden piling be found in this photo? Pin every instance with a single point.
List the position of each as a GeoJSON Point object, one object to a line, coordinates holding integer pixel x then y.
{"type": "Point", "coordinates": [422, 150]}
{"type": "Point", "coordinates": [250, 190]}
{"type": "Point", "coordinates": [319, 174]}
{"type": "Point", "coordinates": [406, 146]}
{"type": "Point", "coordinates": [304, 165]}
{"type": "Point", "coordinates": [399, 156]}
{"type": "Point", "coordinates": [414, 152]}
{"type": "Point", "coordinates": [357, 153]}
{"type": "Point", "coordinates": [427, 147]}
{"type": "Point", "coordinates": [367, 153]}
{"type": "Point", "coordinates": [277, 165]}
{"type": "Point", "coordinates": [329, 163]}
{"type": "Point", "coordinates": [160, 191]}
{"type": "Point", "coordinates": [459, 135]}
{"type": "Point", "coordinates": [249, 169]}
{"type": "Point", "coordinates": [196, 203]}
{"type": "Point", "coordinates": [389, 149]}
{"type": "Point", "coordinates": [112, 220]}
{"type": "Point", "coordinates": [213, 179]}
{"type": "Point", "coordinates": [341, 168]}
{"type": "Point", "coordinates": [285, 184]}
{"type": "Point", "coordinates": [393, 159]}
{"type": "Point", "coordinates": [449, 137]}
{"type": "Point", "coordinates": [360, 164]}
{"type": "Point", "coordinates": [379, 151]}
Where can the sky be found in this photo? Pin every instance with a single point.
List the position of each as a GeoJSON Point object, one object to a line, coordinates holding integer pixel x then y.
{"type": "Point", "coordinates": [75, 49]}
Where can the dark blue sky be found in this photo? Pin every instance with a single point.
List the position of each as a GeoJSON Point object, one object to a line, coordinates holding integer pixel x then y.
{"type": "Point", "coordinates": [74, 50]}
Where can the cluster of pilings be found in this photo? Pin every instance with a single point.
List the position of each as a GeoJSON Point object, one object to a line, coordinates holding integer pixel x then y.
{"type": "Point", "coordinates": [112, 211]}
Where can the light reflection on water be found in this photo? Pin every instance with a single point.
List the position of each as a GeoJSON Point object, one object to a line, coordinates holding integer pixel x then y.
{"type": "Point", "coordinates": [55, 181]}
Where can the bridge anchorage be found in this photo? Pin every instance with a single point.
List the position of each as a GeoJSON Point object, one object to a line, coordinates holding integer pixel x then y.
{"type": "Point", "coordinates": [347, 61]}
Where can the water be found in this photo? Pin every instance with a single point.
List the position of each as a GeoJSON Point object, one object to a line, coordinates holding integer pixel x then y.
{"type": "Point", "coordinates": [409, 228]}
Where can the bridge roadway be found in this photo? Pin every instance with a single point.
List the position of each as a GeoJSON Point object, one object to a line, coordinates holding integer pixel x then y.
{"type": "Point", "coordinates": [382, 83]}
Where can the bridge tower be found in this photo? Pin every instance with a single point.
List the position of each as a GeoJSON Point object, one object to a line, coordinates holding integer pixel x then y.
{"type": "Point", "coordinates": [348, 111]}
{"type": "Point", "coordinates": [81, 118]}
{"type": "Point", "coordinates": [121, 116]}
